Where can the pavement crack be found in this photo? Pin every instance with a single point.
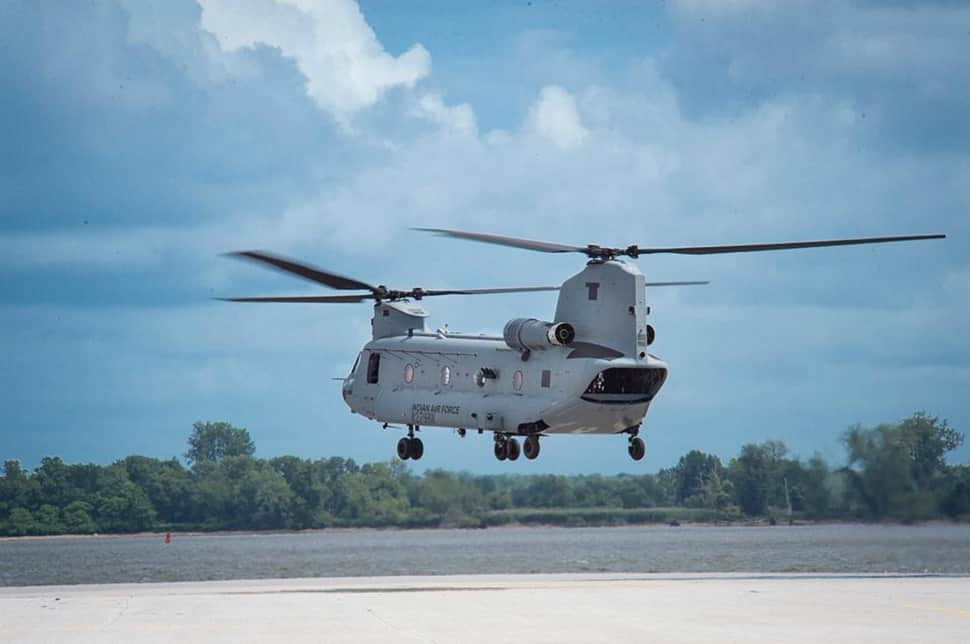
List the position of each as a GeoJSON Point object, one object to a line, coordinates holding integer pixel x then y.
{"type": "Point", "coordinates": [121, 613]}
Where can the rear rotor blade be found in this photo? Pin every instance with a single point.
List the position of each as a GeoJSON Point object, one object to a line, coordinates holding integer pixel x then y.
{"type": "Point", "coordinates": [676, 283]}
{"type": "Point", "coordinates": [502, 240]}
{"type": "Point", "coordinates": [608, 252]}
{"type": "Point", "coordinates": [302, 299]}
{"type": "Point", "coordinates": [487, 291]}
{"type": "Point", "coordinates": [320, 276]}
{"type": "Point", "coordinates": [747, 248]}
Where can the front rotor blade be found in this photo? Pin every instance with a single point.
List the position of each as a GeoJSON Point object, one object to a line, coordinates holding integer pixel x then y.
{"type": "Point", "coordinates": [333, 280]}
{"type": "Point", "coordinates": [502, 240]}
{"type": "Point", "coordinates": [747, 248]}
{"type": "Point", "coordinates": [487, 291]}
{"type": "Point", "coordinates": [675, 283]}
{"type": "Point", "coordinates": [302, 299]}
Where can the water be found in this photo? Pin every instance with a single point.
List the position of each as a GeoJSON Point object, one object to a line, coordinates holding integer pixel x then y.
{"type": "Point", "coordinates": [824, 549]}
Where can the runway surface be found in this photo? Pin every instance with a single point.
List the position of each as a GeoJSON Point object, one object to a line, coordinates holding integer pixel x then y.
{"type": "Point", "coordinates": [500, 608]}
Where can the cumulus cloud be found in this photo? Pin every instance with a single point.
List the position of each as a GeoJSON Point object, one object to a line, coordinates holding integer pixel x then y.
{"type": "Point", "coordinates": [228, 151]}
{"type": "Point", "coordinates": [346, 66]}
{"type": "Point", "coordinates": [555, 117]}
{"type": "Point", "coordinates": [454, 118]}
{"type": "Point", "coordinates": [885, 61]}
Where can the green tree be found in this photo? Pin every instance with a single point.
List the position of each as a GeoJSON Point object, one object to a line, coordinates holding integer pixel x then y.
{"type": "Point", "coordinates": [167, 484]}
{"type": "Point", "coordinates": [374, 496]}
{"type": "Point", "coordinates": [816, 495]}
{"type": "Point", "coordinates": [15, 488]}
{"type": "Point", "coordinates": [899, 470]}
{"type": "Point", "coordinates": [927, 441]}
{"type": "Point", "coordinates": [546, 491]}
{"type": "Point", "coordinates": [120, 505]}
{"type": "Point", "coordinates": [53, 482]}
{"type": "Point", "coordinates": [749, 474]}
{"type": "Point", "coordinates": [688, 479]}
{"type": "Point", "coordinates": [47, 520]}
{"type": "Point", "coordinates": [77, 518]}
{"type": "Point", "coordinates": [260, 496]}
{"type": "Point", "coordinates": [20, 522]}
{"type": "Point", "coordinates": [451, 499]}
{"type": "Point", "coordinates": [956, 499]}
{"type": "Point", "coordinates": [213, 441]}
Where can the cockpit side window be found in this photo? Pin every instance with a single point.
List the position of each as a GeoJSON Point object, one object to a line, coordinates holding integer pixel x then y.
{"type": "Point", "coordinates": [373, 368]}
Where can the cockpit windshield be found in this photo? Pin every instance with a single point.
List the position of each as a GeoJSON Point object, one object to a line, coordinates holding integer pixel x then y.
{"type": "Point", "coordinates": [625, 385]}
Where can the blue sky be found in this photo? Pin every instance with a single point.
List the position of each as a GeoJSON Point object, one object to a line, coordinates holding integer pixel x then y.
{"type": "Point", "coordinates": [142, 139]}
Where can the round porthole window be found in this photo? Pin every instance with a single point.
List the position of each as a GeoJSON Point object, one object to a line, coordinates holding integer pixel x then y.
{"type": "Point", "coordinates": [446, 375]}
{"type": "Point", "coordinates": [518, 379]}
{"type": "Point", "coordinates": [480, 378]}
{"type": "Point", "coordinates": [409, 373]}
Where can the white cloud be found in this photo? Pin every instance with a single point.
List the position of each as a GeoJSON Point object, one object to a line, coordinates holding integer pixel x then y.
{"type": "Point", "coordinates": [912, 51]}
{"type": "Point", "coordinates": [346, 66]}
{"type": "Point", "coordinates": [457, 118]}
{"type": "Point", "coordinates": [782, 166]}
{"type": "Point", "coordinates": [555, 117]}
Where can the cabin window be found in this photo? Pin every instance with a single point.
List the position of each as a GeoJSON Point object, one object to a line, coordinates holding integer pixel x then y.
{"type": "Point", "coordinates": [373, 368]}
{"type": "Point", "coordinates": [546, 378]}
{"type": "Point", "coordinates": [446, 375]}
{"type": "Point", "coordinates": [409, 373]}
{"type": "Point", "coordinates": [518, 379]}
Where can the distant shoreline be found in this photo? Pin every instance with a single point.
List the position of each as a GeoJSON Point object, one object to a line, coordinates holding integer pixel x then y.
{"type": "Point", "coordinates": [747, 523]}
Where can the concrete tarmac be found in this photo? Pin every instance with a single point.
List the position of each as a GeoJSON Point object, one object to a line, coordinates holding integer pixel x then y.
{"type": "Point", "coordinates": [500, 608]}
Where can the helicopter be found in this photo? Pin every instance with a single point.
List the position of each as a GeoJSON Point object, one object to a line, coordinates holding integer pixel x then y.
{"type": "Point", "coordinates": [588, 371]}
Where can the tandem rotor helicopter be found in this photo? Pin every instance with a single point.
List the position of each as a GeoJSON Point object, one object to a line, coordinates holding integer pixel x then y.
{"type": "Point", "coordinates": [586, 372]}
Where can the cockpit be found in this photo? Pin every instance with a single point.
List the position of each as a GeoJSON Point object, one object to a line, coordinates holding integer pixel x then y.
{"type": "Point", "coordinates": [625, 385]}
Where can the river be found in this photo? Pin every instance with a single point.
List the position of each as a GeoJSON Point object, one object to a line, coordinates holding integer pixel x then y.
{"type": "Point", "coordinates": [936, 549]}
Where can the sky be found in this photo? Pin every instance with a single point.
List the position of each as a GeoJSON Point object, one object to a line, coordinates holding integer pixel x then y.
{"type": "Point", "coordinates": [144, 138]}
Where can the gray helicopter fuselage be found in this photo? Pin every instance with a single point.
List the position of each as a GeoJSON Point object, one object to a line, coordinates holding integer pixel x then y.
{"type": "Point", "coordinates": [601, 381]}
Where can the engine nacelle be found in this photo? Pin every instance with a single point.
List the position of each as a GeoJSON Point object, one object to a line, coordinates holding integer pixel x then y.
{"type": "Point", "coordinates": [529, 334]}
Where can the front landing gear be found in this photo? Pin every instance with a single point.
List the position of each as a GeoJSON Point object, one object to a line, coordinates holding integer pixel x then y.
{"type": "Point", "coordinates": [410, 447]}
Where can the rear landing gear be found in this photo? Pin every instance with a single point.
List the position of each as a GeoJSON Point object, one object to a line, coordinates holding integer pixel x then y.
{"type": "Point", "coordinates": [531, 447]}
{"type": "Point", "coordinates": [410, 447]}
{"type": "Point", "coordinates": [506, 448]}
{"type": "Point", "coordinates": [637, 448]}
{"type": "Point", "coordinates": [512, 446]}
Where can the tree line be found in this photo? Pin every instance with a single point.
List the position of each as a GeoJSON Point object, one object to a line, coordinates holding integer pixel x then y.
{"type": "Point", "coordinates": [892, 472]}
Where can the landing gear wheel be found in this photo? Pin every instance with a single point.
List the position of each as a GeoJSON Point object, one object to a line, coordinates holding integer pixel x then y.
{"type": "Point", "coordinates": [531, 447]}
{"type": "Point", "coordinates": [513, 449]}
{"type": "Point", "coordinates": [501, 450]}
{"type": "Point", "coordinates": [415, 449]}
{"type": "Point", "coordinates": [637, 448]}
{"type": "Point", "coordinates": [404, 449]}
